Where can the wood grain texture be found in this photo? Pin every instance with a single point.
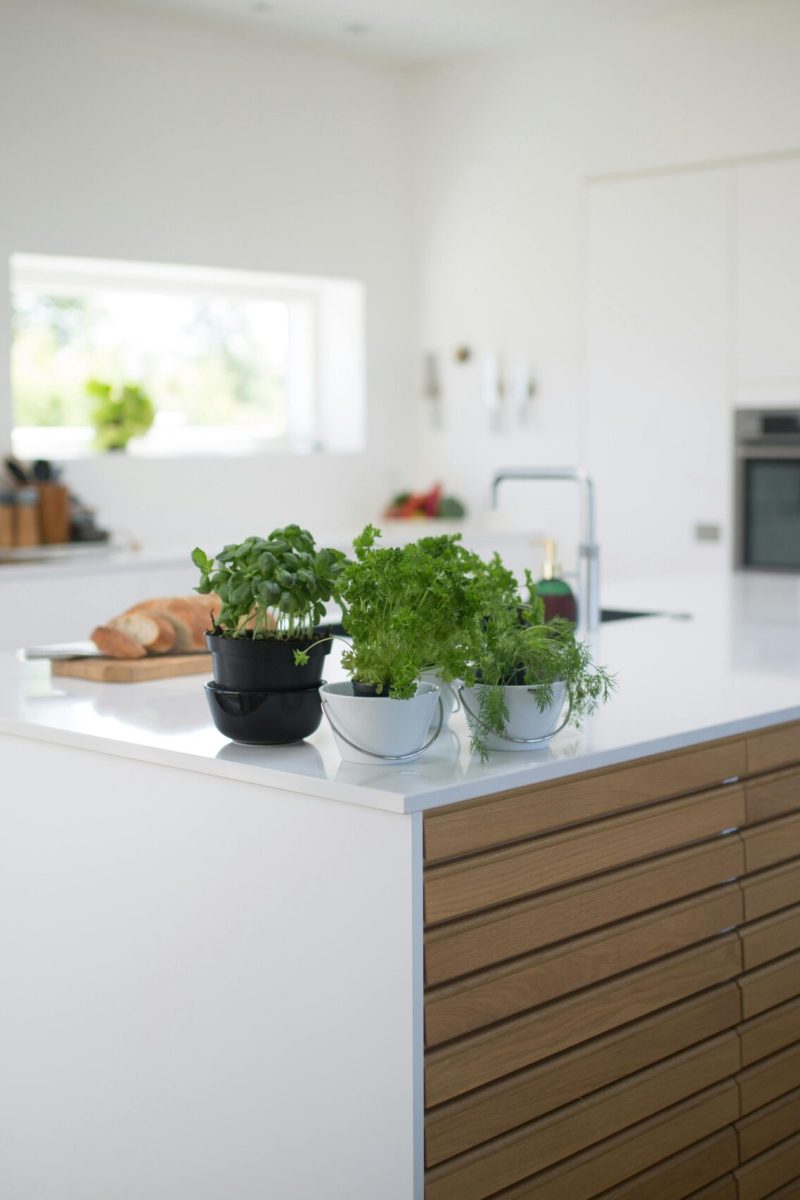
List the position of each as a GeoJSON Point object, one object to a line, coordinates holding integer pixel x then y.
{"type": "Point", "coordinates": [636, 1150]}
{"type": "Point", "coordinates": [479, 1174]}
{"type": "Point", "coordinates": [773, 795]}
{"type": "Point", "coordinates": [472, 943]}
{"type": "Point", "coordinates": [528, 812]}
{"type": "Point", "coordinates": [481, 1057]}
{"type": "Point", "coordinates": [770, 985]}
{"type": "Point", "coordinates": [499, 876]}
{"type": "Point", "coordinates": [133, 670]}
{"type": "Point", "coordinates": [769, 1125]}
{"type": "Point", "coordinates": [466, 1122]}
{"type": "Point", "coordinates": [761, 1176]}
{"type": "Point", "coordinates": [458, 1008]}
{"type": "Point", "coordinates": [680, 1175]}
{"type": "Point", "coordinates": [769, 1079]}
{"type": "Point", "coordinates": [771, 937]}
{"type": "Point", "coordinates": [770, 1032]}
{"type": "Point", "coordinates": [775, 888]}
{"type": "Point", "coordinates": [770, 748]}
{"type": "Point", "coordinates": [777, 841]}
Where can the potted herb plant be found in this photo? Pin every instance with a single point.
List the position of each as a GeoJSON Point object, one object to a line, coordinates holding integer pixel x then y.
{"type": "Point", "coordinates": [530, 677]}
{"type": "Point", "coordinates": [267, 640]}
{"type": "Point", "coordinates": [399, 609]}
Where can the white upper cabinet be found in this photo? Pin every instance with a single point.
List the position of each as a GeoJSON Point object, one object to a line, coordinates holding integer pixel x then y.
{"type": "Point", "coordinates": [657, 408]}
{"type": "Point", "coordinates": [767, 284]}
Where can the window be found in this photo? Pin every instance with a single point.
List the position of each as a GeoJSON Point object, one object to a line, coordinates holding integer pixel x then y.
{"type": "Point", "coordinates": [233, 361]}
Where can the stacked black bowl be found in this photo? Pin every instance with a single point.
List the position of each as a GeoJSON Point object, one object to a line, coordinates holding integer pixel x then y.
{"type": "Point", "coordinates": [259, 697]}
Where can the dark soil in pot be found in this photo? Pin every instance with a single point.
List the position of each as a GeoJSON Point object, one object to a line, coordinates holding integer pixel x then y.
{"type": "Point", "coordinates": [245, 664]}
{"type": "Point", "coordinates": [369, 689]}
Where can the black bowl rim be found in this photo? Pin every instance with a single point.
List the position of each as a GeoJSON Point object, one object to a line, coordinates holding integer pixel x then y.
{"type": "Point", "coordinates": [211, 685]}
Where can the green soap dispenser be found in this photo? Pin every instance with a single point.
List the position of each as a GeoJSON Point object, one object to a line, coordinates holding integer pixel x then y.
{"type": "Point", "coordinates": [555, 593]}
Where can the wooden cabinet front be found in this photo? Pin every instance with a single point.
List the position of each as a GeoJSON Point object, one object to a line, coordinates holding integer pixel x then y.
{"type": "Point", "coordinates": [612, 982]}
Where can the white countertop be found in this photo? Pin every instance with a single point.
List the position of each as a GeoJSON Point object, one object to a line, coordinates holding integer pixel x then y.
{"type": "Point", "coordinates": [731, 665]}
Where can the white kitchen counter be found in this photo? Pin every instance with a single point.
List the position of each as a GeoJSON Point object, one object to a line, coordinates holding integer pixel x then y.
{"type": "Point", "coordinates": [730, 662]}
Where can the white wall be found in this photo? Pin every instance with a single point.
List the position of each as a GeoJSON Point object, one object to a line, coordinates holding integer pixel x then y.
{"type": "Point", "coordinates": [506, 147]}
{"type": "Point", "coordinates": [127, 133]}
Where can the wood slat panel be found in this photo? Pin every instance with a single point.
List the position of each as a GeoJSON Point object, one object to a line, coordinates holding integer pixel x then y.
{"type": "Point", "coordinates": [771, 937]}
{"type": "Point", "coordinates": [636, 1150]}
{"type": "Point", "coordinates": [770, 985]}
{"type": "Point", "coordinates": [771, 748]}
{"type": "Point", "coordinates": [765, 845]}
{"type": "Point", "coordinates": [764, 1035]}
{"type": "Point", "coordinates": [469, 827]}
{"type": "Point", "coordinates": [470, 1120]}
{"type": "Point", "coordinates": [769, 1125]}
{"type": "Point", "coordinates": [479, 1174]}
{"type": "Point", "coordinates": [455, 889]}
{"type": "Point", "coordinates": [482, 1057]}
{"type": "Point", "coordinates": [773, 795]}
{"type": "Point", "coordinates": [775, 888]}
{"type": "Point", "coordinates": [721, 1189]}
{"type": "Point", "coordinates": [763, 1175]}
{"type": "Point", "coordinates": [472, 943]}
{"type": "Point", "coordinates": [674, 1179]}
{"type": "Point", "coordinates": [458, 1008]}
{"type": "Point", "coordinates": [769, 1079]}
{"type": "Point", "coordinates": [790, 1192]}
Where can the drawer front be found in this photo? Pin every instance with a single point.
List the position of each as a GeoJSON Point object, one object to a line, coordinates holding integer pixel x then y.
{"type": "Point", "coordinates": [762, 1176]}
{"type": "Point", "coordinates": [472, 943]}
{"type": "Point", "coordinates": [459, 1008]}
{"type": "Point", "coordinates": [567, 1132]}
{"type": "Point", "coordinates": [775, 842]}
{"type": "Point", "coordinates": [466, 828]}
{"type": "Point", "coordinates": [771, 937]}
{"type": "Point", "coordinates": [770, 985]}
{"type": "Point", "coordinates": [769, 1125]}
{"type": "Point", "coordinates": [771, 748]}
{"type": "Point", "coordinates": [679, 1177]}
{"type": "Point", "coordinates": [500, 876]}
{"type": "Point", "coordinates": [478, 1059]}
{"type": "Point", "coordinates": [767, 891]}
{"type": "Point", "coordinates": [482, 1115]}
{"type": "Point", "coordinates": [637, 1150]}
{"type": "Point", "coordinates": [767, 1080]}
{"type": "Point", "coordinates": [773, 795]}
{"type": "Point", "coordinates": [765, 1035]}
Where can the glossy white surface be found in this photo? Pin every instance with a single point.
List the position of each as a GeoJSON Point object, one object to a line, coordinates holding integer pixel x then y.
{"type": "Point", "coordinates": [731, 665]}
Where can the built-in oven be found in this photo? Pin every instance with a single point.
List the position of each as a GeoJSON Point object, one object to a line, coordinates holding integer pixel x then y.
{"type": "Point", "coordinates": [768, 489]}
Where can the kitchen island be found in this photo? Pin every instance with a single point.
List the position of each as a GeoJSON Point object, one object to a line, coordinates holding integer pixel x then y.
{"type": "Point", "coordinates": [231, 973]}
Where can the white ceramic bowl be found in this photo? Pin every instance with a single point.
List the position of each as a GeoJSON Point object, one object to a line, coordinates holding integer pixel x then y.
{"type": "Point", "coordinates": [527, 723]}
{"type": "Point", "coordinates": [379, 728]}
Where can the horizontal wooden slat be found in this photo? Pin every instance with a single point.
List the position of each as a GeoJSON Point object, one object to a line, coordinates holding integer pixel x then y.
{"type": "Point", "coordinates": [770, 1032]}
{"type": "Point", "coordinates": [765, 845]}
{"type": "Point", "coordinates": [771, 937]}
{"type": "Point", "coordinates": [763, 1175]}
{"type": "Point", "coordinates": [499, 876]}
{"type": "Point", "coordinates": [480, 1173]}
{"type": "Point", "coordinates": [769, 1125]}
{"type": "Point", "coordinates": [469, 1120]}
{"type": "Point", "coordinates": [791, 1191]}
{"type": "Point", "coordinates": [770, 1078]}
{"type": "Point", "coordinates": [771, 748]}
{"type": "Point", "coordinates": [472, 943]}
{"type": "Point", "coordinates": [458, 1008]}
{"type": "Point", "coordinates": [775, 888]}
{"type": "Point", "coordinates": [479, 1058]}
{"type": "Point", "coordinates": [773, 795]}
{"type": "Point", "coordinates": [675, 1178]}
{"type": "Point", "coordinates": [637, 1149]}
{"type": "Point", "coordinates": [468, 827]}
{"type": "Point", "coordinates": [770, 985]}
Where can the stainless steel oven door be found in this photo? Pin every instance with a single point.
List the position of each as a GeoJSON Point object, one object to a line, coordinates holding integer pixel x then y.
{"type": "Point", "coordinates": [768, 507]}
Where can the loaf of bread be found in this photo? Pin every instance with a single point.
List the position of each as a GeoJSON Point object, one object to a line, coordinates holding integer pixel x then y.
{"type": "Point", "coordinates": [170, 624]}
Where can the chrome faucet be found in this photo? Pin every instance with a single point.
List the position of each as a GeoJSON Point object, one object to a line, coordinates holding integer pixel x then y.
{"type": "Point", "coordinates": [588, 549]}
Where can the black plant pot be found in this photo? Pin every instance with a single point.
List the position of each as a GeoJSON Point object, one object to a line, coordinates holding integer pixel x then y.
{"type": "Point", "coordinates": [245, 664]}
{"type": "Point", "coordinates": [265, 718]}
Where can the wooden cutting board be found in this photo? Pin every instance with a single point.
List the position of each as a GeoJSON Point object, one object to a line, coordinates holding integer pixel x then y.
{"type": "Point", "coordinates": [133, 670]}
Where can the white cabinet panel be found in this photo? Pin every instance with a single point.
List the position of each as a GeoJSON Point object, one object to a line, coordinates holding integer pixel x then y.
{"type": "Point", "coordinates": [768, 283]}
{"type": "Point", "coordinates": [657, 411]}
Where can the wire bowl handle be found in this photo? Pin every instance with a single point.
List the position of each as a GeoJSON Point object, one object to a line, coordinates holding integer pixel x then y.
{"type": "Point", "coordinates": [506, 737]}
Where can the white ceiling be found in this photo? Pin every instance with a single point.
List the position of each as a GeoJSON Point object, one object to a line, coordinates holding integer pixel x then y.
{"type": "Point", "coordinates": [424, 30]}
